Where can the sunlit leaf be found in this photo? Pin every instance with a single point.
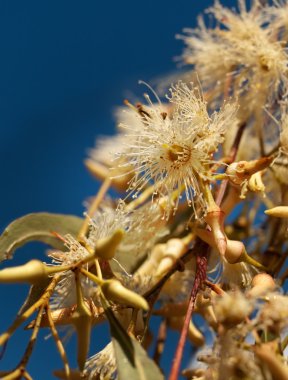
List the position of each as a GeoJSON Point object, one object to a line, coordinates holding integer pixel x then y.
{"type": "Point", "coordinates": [37, 227]}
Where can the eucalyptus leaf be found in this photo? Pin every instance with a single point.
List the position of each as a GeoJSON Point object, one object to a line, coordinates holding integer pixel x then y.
{"type": "Point", "coordinates": [35, 293]}
{"type": "Point", "coordinates": [132, 360]}
{"type": "Point", "coordinates": [37, 227]}
{"type": "Point", "coordinates": [128, 261]}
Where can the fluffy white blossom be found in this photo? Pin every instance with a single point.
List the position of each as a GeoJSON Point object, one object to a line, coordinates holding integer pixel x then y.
{"type": "Point", "coordinates": [174, 152]}
{"type": "Point", "coordinates": [104, 159]}
{"type": "Point", "coordinates": [241, 55]}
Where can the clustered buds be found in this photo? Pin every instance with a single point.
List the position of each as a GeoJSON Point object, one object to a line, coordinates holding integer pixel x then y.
{"type": "Point", "coordinates": [185, 231]}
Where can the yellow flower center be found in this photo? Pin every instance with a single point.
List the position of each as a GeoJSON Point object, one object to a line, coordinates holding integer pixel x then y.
{"type": "Point", "coordinates": [177, 154]}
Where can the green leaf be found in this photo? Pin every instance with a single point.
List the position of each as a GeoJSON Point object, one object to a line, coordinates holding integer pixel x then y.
{"type": "Point", "coordinates": [132, 360]}
{"type": "Point", "coordinates": [37, 227]}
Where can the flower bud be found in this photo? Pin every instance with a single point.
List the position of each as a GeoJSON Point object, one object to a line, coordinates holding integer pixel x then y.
{"type": "Point", "coordinates": [261, 284]}
{"type": "Point", "coordinates": [240, 171]}
{"type": "Point", "coordinates": [232, 174]}
{"type": "Point", "coordinates": [236, 253]}
{"type": "Point", "coordinates": [251, 167]}
{"type": "Point", "coordinates": [208, 237]}
{"type": "Point", "coordinates": [234, 250]}
{"type": "Point", "coordinates": [106, 247]}
{"type": "Point", "coordinates": [174, 249]}
{"type": "Point", "coordinates": [151, 264]}
{"type": "Point", "coordinates": [113, 290]}
{"type": "Point", "coordinates": [279, 212]}
{"type": "Point", "coordinates": [215, 220]}
{"type": "Point", "coordinates": [32, 272]}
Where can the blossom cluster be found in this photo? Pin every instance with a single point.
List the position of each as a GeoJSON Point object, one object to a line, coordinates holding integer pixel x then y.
{"type": "Point", "coordinates": [198, 225]}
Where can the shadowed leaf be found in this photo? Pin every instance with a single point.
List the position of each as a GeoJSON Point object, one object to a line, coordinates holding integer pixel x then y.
{"type": "Point", "coordinates": [132, 360]}
{"type": "Point", "coordinates": [35, 293]}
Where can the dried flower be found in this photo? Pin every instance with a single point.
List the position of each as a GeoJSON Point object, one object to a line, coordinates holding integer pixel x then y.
{"type": "Point", "coordinates": [274, 313]}
{"type": "Point", "coordinates": [232, 308]}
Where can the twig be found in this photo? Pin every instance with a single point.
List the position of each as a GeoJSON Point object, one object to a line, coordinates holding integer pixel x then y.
{"type": "Point", "coordinates": [214, 287]}
{"type": "Point", "coordinates": [17, 374]}
{"type": "Point", "coordinates": [22, 318]}
{"type": "Point", "coordinates": [201, 266]}
{"type": "Point", "coordinates": [177, 266]}
{"type": "Point", "coordinates": [20, 370]}
{"type": "Point", "coordinates": [200, 277]}
{"type": "Point", "coordinates": [58, 342]}
{"type": "Point", "coordinates": [32, 340]}
{"type": "Point", "coordinates": [154, 292]}
{"type": "Point", "coordinates": [160, 343]}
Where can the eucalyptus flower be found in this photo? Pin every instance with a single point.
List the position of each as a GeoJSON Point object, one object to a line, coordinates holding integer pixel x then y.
{"type": "Point", "coordinates": [222, 165]}
{"type": "Point", "coordinates": [241, 53]}
{"type": "Point", "coordinates": [174, 152]}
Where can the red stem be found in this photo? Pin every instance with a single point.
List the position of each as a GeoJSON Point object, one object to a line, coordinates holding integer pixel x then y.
{"type": "Point", "coordinates": [200, 277]}
{"type": "Point", "coordinates": [201, 267]}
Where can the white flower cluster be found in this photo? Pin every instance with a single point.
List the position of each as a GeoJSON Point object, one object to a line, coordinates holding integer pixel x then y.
{"type": "Point", "coordinates": [184, 229]}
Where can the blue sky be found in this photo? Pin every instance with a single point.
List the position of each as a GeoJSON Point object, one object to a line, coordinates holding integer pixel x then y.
{"type": "Point", "coordinates": [64, 66]}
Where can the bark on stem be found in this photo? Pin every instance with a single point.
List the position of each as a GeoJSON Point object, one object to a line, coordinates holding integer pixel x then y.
{"type": "Point", "coordinates": [201, 267]}
{"type": "Point", "coordinates": [200, 277]}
